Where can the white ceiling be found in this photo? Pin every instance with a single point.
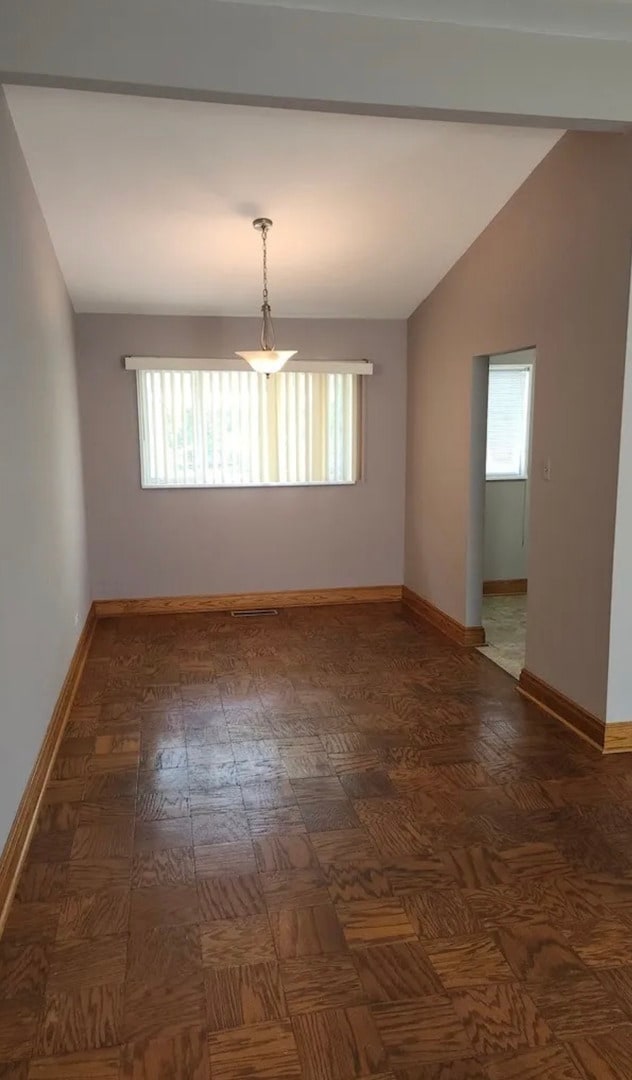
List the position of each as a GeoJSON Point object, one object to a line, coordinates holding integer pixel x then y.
{"type": "Point", "coordinates": [149, 201]}
{"type": "Point", "coordinates": [576, 18]}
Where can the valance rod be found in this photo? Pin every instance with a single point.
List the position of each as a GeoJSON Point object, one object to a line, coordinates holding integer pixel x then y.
{"type": "Point", "coordinates": [184, 363]}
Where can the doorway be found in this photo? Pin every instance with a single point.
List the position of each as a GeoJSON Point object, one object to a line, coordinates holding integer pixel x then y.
{"type": "Point", "coordinates": [506, 508]}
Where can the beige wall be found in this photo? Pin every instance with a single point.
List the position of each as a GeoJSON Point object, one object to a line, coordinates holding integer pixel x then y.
{"type": "Point", "coordinates": [152, 543]}
{"type": "Point", "coordinates": [43, 573]}
{"type": "Point", "coordinates": [551, 271]}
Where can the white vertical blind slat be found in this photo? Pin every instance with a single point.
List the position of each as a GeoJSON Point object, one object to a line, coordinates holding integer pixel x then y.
{"type": "Point", "coordinates": [230, 428]}
{"type": "Point", "coordinates": [508, 421]}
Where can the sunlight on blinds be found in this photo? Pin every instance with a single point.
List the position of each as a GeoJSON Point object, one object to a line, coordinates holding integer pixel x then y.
{"type": "Point", "coordinates": [235, 428]}
{"type": "Point", "coordinates": [508, 422]}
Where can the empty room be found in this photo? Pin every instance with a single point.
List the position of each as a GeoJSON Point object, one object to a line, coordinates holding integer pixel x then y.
{"type": "Point", "coordinates": [315, 540]}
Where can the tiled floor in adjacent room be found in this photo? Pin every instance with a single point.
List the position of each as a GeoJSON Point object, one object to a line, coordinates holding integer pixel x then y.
{"type": "Point", "coordinates": [320, 846]}
{"type": "Point", "coordinates": [505, 624]}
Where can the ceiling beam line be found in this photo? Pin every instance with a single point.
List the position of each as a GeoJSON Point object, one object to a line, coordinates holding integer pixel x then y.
{"type": "Point", "coordinates": [299, 59]}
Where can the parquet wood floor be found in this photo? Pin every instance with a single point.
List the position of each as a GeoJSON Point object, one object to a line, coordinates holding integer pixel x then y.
{"type": "Point", "coordinates": [323, 846]}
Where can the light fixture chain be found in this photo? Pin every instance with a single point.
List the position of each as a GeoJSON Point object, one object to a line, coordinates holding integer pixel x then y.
{"type": "Point", "coordinates": [267, 327]}
{"type": "Point", "coordinates": [264, 239]}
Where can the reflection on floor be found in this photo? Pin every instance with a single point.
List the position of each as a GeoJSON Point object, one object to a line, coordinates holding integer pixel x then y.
{"type": "Point", "coordinates": [505, 622]}
{"type": "Point", "coordinates": [324, 846]}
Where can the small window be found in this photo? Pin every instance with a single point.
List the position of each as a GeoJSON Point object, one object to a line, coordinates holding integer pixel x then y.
{"type": "Point", "coordinates": [238, 429]}
{"type": "Point", "coordinates": [508, 409]}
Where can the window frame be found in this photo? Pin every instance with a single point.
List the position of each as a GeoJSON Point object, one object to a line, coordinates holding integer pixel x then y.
{"type": "Point", "coordinates": [529, 367]}
{"type": "Point", "coordinates": [356, 368]}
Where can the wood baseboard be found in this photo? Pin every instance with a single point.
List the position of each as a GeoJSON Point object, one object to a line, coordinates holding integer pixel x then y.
{"type": "Point", "coordinates": [423, 609]}
{"type": "Point", "coordinates": [546, 697]}
{"type": "Point", "coordinates": [618, 738]}
{"type": "Point", "coordinates": [170, 605]}
{"type": "Point", "coordinates": [508, 587]}
{"type": "Point", "coordinates": [19, 838]}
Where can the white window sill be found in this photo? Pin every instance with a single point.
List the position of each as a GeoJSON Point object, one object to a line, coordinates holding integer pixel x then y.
{"type": "Point", "coordinates": [248, 487]}
{"type": "Point", "coordinates": [507, 479]}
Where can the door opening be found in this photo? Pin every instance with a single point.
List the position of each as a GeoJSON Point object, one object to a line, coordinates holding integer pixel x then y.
{"type": "Point", "coordinates": [505, 508]}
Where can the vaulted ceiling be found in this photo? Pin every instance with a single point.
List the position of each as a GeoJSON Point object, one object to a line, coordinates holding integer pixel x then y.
{"type": "Point", "coordinates": [149, 201]}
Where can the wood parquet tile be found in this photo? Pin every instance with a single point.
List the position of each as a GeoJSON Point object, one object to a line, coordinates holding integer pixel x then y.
{"type": "Point", "coordinates": [219, 860]}
{"type": "Point", "coordinates": [233, 942]}
{"type": "Point", "coordinates": [35, 921]}
{"type": "Point", "coordinates": [161, 952]}
{"type": "Point", "coordinates": [397, 972]}
{"type": "Point", "coordinates": [230, 897]}
{"type": "Point", "coordinates": [468, 961]}
{"type": "Point", "coordinates": [87, 963]}
{"type": "Point", "coordinates": [301, 932]}
{"type": "Point", "coordinates": [326, 846]}
{"type": "Point", "coordinates": [92, 875]}
{"type": "Point", "coordinates": [577, 1002]}
{"type": "Point", "coordinates": [285, 889]}
{"type": "Point", "coordinates": [604, 1057]}
{"type": "Point", "coordinates": [618, 982]}
{"type": "Point", "coordinates": [18, 1028]}
{"type": "Point", "coordinates": [422, 1031]}
{"type": "Point", "coordinates": [164, 905]}
{"type": "Point", "coordinates": [441, 913]}
{"type": "Point", "coordinates": [14, 1070]}
{"type": "Point", "coordinates": [357, 881]}
{"type": "Point", "coordinates": [168, 866]}
{"type": "Point", "coordinates": [500, 1018]}
{"type": "Point", "coordinates": [338, 1044]}
{"type": "Point", "coordinates": [328, 814]}
{"type": "Point", "coordinates": [546, 1063]}
{"type": "Point", "coordinates": [87, 1019]}
{"type": "Point", "coordinates": [184, 1056]}
{"type": "Point", "coordinates": [538, 952]}
{"type": "Point", "coordinates": [342, 847]}
{"type": "Point", "coordinates": [156, 835]}
{"type": "Point", "coordinates": [94, 914]}
{"type": "Point", "coordinates": [89, 1065]}
{"type": "Point", "coordinates": [461, 1069]}
{"type": "Point", "coordinates": [264, 1052]}
{"type": "Point", "coordinates": [285, 853]}
{"type": "Point", "coordinates": [321, 982]}
{"type": "Point", "coordinates": [375, 922]}
{"type": "Point", "coordinates": [162, 1008]}
{"type": "Point", "coordinates": [23, 969]}
{"type": "Point", "coordinates": [602, 944]}
{"type": "Point", "coordinates": [243, 996]}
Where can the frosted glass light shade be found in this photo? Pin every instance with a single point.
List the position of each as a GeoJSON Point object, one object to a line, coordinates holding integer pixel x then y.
{"type": "Point", "coordinates": [267, 361]}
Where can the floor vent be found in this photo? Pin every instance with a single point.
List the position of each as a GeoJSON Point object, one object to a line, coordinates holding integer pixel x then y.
{"type": "Point", "coordinates": [255, 611]}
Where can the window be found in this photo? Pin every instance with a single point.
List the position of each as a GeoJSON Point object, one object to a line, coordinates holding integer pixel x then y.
{"type": "Point", "coordinates": [508, 413]}
{"type": "Point", "coordinates": [233, 428]}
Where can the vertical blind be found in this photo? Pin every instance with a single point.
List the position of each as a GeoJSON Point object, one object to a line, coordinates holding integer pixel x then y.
{"type": "Point", "coordinates": [508, 422]}
{"type": "Point", "coordinates": [236, 428]}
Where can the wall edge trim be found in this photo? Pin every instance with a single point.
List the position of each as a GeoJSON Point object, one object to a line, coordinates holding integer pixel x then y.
{"type": "Point", "coordinates": [583, 723]}
{"type": "Point", "coordinates": [165, 605]}
{"type": "Point", "coordinates": [618, 737]}
{"type": "Point", "coordinates": [441, 621]}
{"type": "Point", "coordinates": [21, 832]}
{"type": "Point", "coordinates": [505, 587]}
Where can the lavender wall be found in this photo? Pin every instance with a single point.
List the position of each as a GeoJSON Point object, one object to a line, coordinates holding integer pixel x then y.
{"type": "Point", "coordinates": [156, 543]}
{"type": "Point", "coordinates": [551, 271]}
{"type": "Point", "coordinates": [43, 570]}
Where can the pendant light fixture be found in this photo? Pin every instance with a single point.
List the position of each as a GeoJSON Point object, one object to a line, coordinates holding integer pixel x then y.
{"type": "Point", "coordinates": [267, 359]}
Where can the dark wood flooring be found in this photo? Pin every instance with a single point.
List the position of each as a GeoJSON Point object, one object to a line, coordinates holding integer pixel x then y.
{"type": "Point", "coordinates": [321, 846]}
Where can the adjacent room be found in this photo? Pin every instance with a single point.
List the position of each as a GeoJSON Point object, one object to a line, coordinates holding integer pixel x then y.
{"type": "Point", "coordinates": [315, 585]}
{"type": "Point", "coordinates": [506, 507]}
